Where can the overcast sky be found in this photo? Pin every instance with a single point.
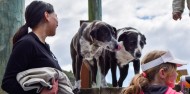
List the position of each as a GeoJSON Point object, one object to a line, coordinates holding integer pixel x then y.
{"type": "Point", "coordinates": [150, 18]}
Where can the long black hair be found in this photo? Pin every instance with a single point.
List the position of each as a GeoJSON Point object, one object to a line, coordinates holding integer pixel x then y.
{"type": "Point", "coordinates": [34, 13]}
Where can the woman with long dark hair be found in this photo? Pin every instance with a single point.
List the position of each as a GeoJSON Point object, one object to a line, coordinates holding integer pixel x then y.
{"type": "Point", "coordinates": [30, 49]}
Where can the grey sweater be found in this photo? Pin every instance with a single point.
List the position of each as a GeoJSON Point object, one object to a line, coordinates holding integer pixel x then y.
{"type": "Point", "coordinates": [37, 78]}
{"type": "Point", "coordinates": [179, 5]}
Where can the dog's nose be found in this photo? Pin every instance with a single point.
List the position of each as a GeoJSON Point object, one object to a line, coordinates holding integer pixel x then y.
{"type": "Point", "coordinates": [117, 47]}
{"type": "Point", "coordinates": [138, 54]}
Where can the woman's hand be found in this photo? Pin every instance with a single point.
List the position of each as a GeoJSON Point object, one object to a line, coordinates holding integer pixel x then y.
{"type": "Point", "coordinates": [177, 15]}
{"type": "Point", "coordinates": [54, 89]}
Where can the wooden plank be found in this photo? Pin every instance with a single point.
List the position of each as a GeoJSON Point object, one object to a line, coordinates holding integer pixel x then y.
{"type": "Point", "coordinates": [110, 90]}
{"type": "Point", "coordinates": [85, 76]}
{"type": "Point", "coordinates": [90, 91]}
{"type": "Point", "coordinates": [101, 90]}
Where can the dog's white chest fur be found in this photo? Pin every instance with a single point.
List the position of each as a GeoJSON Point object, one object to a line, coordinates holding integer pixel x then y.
{"type": "Point", "coordinates": [123, 56]}
{"type": "Point", "coordinates": [89, 51]}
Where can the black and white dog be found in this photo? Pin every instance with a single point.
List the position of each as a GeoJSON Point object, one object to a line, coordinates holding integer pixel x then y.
{"type": "Point", "coordinates": [88, 44]}
{"type": "Point", "coordinates": [131, 42]}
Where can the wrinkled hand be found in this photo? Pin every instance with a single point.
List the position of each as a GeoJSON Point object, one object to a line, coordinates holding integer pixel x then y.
{"type": "Point", "coordinates": [177, 15]}
{"type": "Point", "coordinates": [54, 89]}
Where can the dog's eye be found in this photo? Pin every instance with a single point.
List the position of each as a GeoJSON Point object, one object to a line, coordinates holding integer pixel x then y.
{"type": "Point", "coordinates": [106, 37]}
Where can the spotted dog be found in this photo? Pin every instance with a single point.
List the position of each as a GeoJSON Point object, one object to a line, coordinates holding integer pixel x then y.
{"type": "Point", "coordinates": [88, 44]}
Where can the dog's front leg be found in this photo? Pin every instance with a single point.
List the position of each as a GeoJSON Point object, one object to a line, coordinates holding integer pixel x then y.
{"type": "Point", "coordinates": [78, 70]}
{"type": "Point", "coordinates": [93, 70]}
{"type": "Point", "coordinates": [123, 74]}
{"type": "Point", "coordinates": [103, 72]}
{"type": "Point", "coordinates": [136, 65]}
{"type": "Point", "coordinates": [113, 71]}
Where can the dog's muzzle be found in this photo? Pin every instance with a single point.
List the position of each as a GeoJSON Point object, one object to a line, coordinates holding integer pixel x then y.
{"type": "Point", "coordinates": [113, 47]}
{"type": "Point", "coordinates": [137, 54]}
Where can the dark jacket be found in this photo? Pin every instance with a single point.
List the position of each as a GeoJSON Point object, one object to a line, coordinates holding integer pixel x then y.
{"type": "Point", "coordinates": [159, 89]}
{"type": "Point", "coordinates": [29, 52]}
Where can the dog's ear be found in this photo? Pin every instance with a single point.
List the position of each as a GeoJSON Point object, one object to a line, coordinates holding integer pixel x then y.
{"type": "Point", "coordinates": [122, 37]}
{"type": "Point", "coordinates": [114, 29]}
{"type": "Point", "coordinates": [115, 32]}
{"type": "Point", "coordinates": [144, 38]}
{"type": "Point", "coordinates": [111, 27]}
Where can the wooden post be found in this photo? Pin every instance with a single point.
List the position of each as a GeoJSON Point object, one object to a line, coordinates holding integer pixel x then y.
{"type": "Point", "coordinates": [11, 13]}
{"type": "Point", "coordinates": [85, 76]}
{"type": "Point", "coordinates": [94, 13]}
{"type": "Point", "coordinates": [85, 73]}
{"type": "Point", "coordinates": [94, 10]}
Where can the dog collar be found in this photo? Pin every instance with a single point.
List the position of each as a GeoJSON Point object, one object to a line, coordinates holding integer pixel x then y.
{"type": "Point", "coordinates": [166, 58]}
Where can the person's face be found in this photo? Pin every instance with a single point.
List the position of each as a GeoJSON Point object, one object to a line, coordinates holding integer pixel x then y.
{"type": "Point", "coordinates": [171, 79]}
{"type": "Point", "coordinates": [53, 23]}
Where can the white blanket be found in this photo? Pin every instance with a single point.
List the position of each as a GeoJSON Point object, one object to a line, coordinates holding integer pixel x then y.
{"type": "Point", "coordinates": [37, 78]}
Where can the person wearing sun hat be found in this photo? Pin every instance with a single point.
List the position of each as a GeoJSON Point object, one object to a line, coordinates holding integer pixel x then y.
{"type": "Point", "coordinates": [158, 74]}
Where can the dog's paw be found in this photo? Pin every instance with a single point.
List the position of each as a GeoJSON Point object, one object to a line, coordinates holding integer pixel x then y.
{"type": "Point", "coordinates": [76, 91]}
{"type": "Point", "coordinates": [77, 84]}
{"type": "Point", "coordinates": [104, 84]}
{"type": "Point", "coordinates": [94, 85]}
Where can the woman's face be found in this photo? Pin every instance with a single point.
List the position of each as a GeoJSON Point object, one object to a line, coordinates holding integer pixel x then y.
{"type": "Point", "coordinates": [53, 23]}
{"type": "Point", "coordinates": [171, 79]}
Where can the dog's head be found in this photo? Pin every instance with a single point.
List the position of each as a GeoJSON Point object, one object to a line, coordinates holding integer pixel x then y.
{"type": "Point", "coordinates": [132, 40]}
{"type": "Point", "coordinates": [104, 35]}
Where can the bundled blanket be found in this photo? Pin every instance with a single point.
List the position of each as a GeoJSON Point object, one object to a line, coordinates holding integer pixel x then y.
{"type": "Point", "coordinates": [38, 78]}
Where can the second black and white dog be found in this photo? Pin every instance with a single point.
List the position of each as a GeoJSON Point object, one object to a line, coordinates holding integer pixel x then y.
{"type": "Point", "coordinates": [88, 44]}
{"type": "Point", "coordinates": [132, 43]}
